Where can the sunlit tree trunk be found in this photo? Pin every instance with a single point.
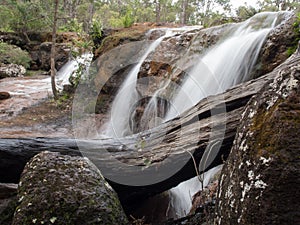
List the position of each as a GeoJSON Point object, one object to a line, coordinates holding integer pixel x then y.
{"type": "Point", "coordinates": [157, 10]}
{"type": "Point", "coordinates": [184, 14]}
{"type": "Point", "coordinates": [89, 19]}
{"type": "Point", "coordinates": [52, 58]}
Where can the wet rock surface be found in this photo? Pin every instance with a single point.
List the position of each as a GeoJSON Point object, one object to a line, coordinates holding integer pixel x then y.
{"type": "Point", "coordinates": [275, 49]}
{"type": "Point", "coordinates": [42, 56]}
{"type": "Point", "coordinates": [4, 95]}
{"type": "Point", "coordinates": [65, 190]}
{"type": "Point", "coordinates": [260, 180]}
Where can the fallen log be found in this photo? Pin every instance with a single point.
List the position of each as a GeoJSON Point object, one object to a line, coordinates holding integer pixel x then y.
{"type": "Point", "coordinates": [156, 160]}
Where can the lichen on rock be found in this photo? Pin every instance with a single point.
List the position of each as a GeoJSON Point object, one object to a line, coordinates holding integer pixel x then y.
{"type": "Point", "coordinates": [57, 189]}
{"type": "Point", "coordinates": [260, 179]}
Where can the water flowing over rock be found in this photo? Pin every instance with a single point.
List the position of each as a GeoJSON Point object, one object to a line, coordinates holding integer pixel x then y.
{"type": "Point", "coordinates": [260, 179]}
{"type": "Point", "coordinates": [146, 154]}
{"type": "Point", "coordinates": [57, 189]}
{"type": "Point", "coordinates": [183, 70]}
{"type": "Point", "coordinates": [127, 95]}
{"type": "Point", "coordinates": [274, 51]}
{"type": "Point", "coordinates": [11, 70]}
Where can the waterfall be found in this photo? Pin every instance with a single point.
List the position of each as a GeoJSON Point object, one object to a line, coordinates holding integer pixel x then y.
{"type": "Point", "coordinates": [181, 196]}
{"type": "Point", "coordinates": [63, 75]}
{"type": "Point", "coordinates": [127, 96]}
{"type": "Point", "coordinates": [224, 65]}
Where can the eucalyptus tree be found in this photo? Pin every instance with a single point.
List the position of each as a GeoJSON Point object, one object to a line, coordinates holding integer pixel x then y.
{"type": "Point", "coordinates": [276, 5]}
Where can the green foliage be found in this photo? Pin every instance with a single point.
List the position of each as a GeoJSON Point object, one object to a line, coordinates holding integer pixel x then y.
{"type": "Point", "coordinates": [72, 26]}
{"type": "Point", "coordinates": [276, 5]}
{"type": "Point", "coordinates": [294, 44]}
{"type": "Point", "coordinates": [245, 12]}
{"type": "Point", "coordinates": [62, 99]}
{"type": "Point", "coordinates": [25, 16]}
{"type": "Point", "coordinates": [96, 31]}
{"type": "Point", "coordinates": [127, 20]}
{"type": "Point", "coordinates": [81, 46]}
{"type": "Point", "coordinates": [77, 75]}
{"type": "Point", "coordinates": [91, 16]}
{"type": "Point", "coordinates": [6, 17]}
{"type": "Point", "coordinates": [13, 54]}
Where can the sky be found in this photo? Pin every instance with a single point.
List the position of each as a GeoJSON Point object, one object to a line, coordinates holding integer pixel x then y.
{"type": "Point", "coordinates": [237, 3]}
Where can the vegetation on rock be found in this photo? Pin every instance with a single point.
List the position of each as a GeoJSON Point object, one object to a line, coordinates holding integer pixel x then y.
{"type": "Point", "coordinates": [296, 29]}
{"type": "Point", "coordinates": [57, 189]}
{"type": "Point", "coordinates": [13, 54]}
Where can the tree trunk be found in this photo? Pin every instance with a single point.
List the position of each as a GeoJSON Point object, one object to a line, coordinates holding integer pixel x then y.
{"type": "Point", "coordinates": [213, 120]}
{"type": "Point", "coordinates": [52, 60]}
{"type": "Point", "coordinates": [184, 16]}
{"type": "Point", "coordinates": [89, 19]}
{"type": "Point", "coordinates": [157, 10]}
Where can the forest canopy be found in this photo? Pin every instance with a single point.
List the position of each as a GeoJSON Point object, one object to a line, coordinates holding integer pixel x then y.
{"type": "Point", "coordinates": [87, 15]}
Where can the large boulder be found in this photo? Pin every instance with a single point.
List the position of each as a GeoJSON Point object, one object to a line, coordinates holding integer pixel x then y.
{"type": "Point", "coordinates": [11, 70]}
{"type": "Point", "coordinates": [57, 189]}
{"type": "Point", "coordinates": [260, 180]}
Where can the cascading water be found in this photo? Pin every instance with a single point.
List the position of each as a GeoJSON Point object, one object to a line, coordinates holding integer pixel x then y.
{"type": "Point", "coordinates": [63, 75]}
{"type": "Point", "coordinates": [225, 65]}
{"type": "Point", "coordinates": [127, 96]}
{"type": "Point", "coordinates": [30, 91]}
{"type": "Point", "coordinates": [181, 196]}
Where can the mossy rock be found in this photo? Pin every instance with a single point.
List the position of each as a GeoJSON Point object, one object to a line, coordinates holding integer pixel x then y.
{"type": "Point", "coordinates": [57, 189]}
{"type": "Point", "coordinates": [120, 37]}
{"type": "Point", "coordinates": [260, 180]}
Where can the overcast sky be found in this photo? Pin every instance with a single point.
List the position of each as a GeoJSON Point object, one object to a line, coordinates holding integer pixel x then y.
{"type": "Point", "coordinates": [237, 3]}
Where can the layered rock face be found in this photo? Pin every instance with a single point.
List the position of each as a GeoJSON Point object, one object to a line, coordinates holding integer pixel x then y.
{"type": "Point", "coordinates": [260, 180]}
{"type": "Point", "coordinates": [57, 189]}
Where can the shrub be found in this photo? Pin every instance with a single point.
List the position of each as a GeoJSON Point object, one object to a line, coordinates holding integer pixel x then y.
{"type": "Point", "coordinates": [72, 26]}
{"type": "Point", "coordinates": [13, 54]}
{"type": "Point", "coordinates": [127, 20]}
{"type": "Point", "coordinates": [294, 44]}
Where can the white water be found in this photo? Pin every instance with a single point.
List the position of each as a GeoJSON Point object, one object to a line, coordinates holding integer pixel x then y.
{"type": "Point", "coordinates": [63, 75]}
{"type": "Point", "coordinates": [27, 91]}
{"type": "Point", "coordinates": [225, 65]}
{"type": "Point", "coordinates": [181, 196]}
{"type": "Point", "coordinates": [127, 96]}
{"type": "Point", "coordinates": [27, 86]}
